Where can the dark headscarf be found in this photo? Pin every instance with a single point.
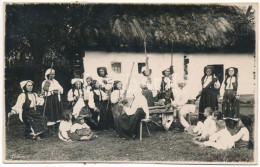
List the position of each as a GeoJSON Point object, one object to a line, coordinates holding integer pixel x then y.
{"type": "Point", "coordinates": [235, 71]}
{"type": "Point", "coordinates": [103, 68]}
{"type": "Point", "coordinates": [211, 68]}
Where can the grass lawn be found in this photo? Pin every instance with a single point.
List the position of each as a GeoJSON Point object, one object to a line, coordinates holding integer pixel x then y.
{"type": "Point", "coordinates": [161, 146]}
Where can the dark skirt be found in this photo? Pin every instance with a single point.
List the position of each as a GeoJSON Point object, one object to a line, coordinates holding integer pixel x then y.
{"type": "Point", "coordinates": [207, 99]}
{"type": "Point", "coordinates": [34, 119]}
{"type": "Point", "coordinates": [106, 120]}
{"type": "Point", "coordinates": [53, 108]}
{"type": "Point", "coordinates": [148, 94]}
{"type": "Point", "coordinates": [116, 111]}
{"type": "Point", "coordinates": [128, 125]}
{"type": "Point", "coordinates": [230, 105]}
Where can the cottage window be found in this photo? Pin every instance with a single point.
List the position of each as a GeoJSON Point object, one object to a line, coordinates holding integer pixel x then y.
{"type": "Point", "coordinates": [140, 65]}
{"type": "Point", "coordinates": [116, 67]}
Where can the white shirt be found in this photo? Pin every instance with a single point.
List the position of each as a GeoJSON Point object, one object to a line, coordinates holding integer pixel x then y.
{"type": "Point", "coordinates": [108, 85]}
{"type": "Point", "coordinates": [54, 85]}
{"type": "Point", "coordinates": [243, 134]}
{"type": "Point", "coordinates": [35, 100]}
{"type": "Point", "coordinates": [91, 101]}
{"type": "Point", "coordinates": [86, 92]}
{"type": "Point", "coordinates": [180, 97]}
{"type": "Point", "coordinates": [209, 127]}
{"type": "Point", "coordinates": [139, 101]}
{"type": "Point", "coordinates": [169, 83]}
{"type": "Point", "coordinates": [150, 84]}
{"type": "Point", "coordinates": [64, 128]}
{"type": "Point", "coordinates": [77, 126]}
{"type": "Point", "coordinates": [223, 139]}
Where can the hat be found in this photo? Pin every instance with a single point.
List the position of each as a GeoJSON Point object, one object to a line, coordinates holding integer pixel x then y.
{"type": "Point", "coordinates": [23, 83]}
{"type": "Point", "coordinates": [74, 80]}
{"type": "Point", "coordinates": [48, 72]}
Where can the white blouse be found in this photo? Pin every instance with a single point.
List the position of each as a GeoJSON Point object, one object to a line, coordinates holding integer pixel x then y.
{"type": "Point", "coordinates": [91, 101]}
{"type": "Point", "coordinates": [180, 97]}
{"type": "Point", "coordinates": [76, 93]}
{"type": "Point", "coordinates": [54, 85]}
{"type": "Point", "coordinates": [115, 95]}
{"type": "Point", "coordinates": [108, 85]}
{"type": "Point", "coordinates": [86, 92]}
{"type": "Point", "coordinates": [35, 100]}
{"type": "Point", "coordinates": [208, 79]}
{"type": "Point", "coordinates": [150, 84]}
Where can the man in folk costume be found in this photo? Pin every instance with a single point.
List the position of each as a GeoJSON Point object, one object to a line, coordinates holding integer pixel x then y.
{"type": "Point", "coordinates": [52, 90]}
{"type": "Point", "coordinates": [210, 87]}
{"type": "Point", "coordinates": [106, 83]}
{"type": "Point", "coordinates": [181, 98]}
{"type": "Point", "coordinates": [76, 98]}
{"type": "Point", "coordinates": [230, 94]}
{"type": "Point", "coordinates": [26, 107]}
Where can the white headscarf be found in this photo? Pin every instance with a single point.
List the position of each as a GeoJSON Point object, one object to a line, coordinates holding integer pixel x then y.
{"type": "Point", "coordinates": [74, 80]}
{"type": "Point", "coordinates": [23, 83]}
{"type": "Point", "coordinates": [48, 72]}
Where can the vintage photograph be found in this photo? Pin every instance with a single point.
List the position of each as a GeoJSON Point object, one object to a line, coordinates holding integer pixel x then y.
{"type": "Point", "coordinates": [142, 83]}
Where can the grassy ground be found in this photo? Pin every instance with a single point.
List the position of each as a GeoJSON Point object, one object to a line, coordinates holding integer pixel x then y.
{"type": "Point", "coordinates": [161, 146]}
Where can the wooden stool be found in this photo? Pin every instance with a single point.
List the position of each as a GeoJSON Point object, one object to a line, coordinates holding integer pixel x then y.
{"type": "Point", "coordinates": [145, 121]}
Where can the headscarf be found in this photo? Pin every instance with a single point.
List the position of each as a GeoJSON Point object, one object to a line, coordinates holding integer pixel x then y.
{"type": "Point", "coordinates": [103, 68]}
{"type": "Point", "coordinates": [74, 80]}
{"type": "Point", "coordinates": [48, 71]}
{"type": "Point", "coordinates": [235, 71]}
{"type": "Point", "coordinates": [115, 85]}
{"type": "Point", "coordinates": [209, 67]}
{"type": "Point", "coordinates": [23, 83]}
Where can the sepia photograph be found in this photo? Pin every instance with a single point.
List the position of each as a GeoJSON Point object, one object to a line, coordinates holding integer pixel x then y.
{"type": "Point", "coordinates": [130, 82]}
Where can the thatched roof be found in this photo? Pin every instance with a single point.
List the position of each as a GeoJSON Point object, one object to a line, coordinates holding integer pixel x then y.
{"type": "Point", "coordinates": [188, 28]}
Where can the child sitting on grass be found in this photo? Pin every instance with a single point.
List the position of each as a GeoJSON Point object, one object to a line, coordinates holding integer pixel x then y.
{"type": "Point", "coordinates": [208, 128]}
{"type": "Point", "coordinates": [222, 139]}
{"type": "Point", "coordinates": [78, 131]}
{"type": "Point", "coordinates": [242, 138]}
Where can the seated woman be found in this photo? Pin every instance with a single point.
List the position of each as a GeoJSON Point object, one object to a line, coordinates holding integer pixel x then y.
{"type": "Point", "coordinates": [26, 106]}
{"type": "Point", "coordinates": [79, 131]}
{"type": "Point", "coordinates": [242, 138]}
{"type": "Point", "coordinates": [132, 113]}
{"type": "Point", "coordinates": [76, 99]}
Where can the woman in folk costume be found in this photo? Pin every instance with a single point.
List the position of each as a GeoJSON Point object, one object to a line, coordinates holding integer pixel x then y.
{"type": "Point", "coordinates": [52, 90]}
{"type": "Point", "coordinates": [230, 104]}
{"type": "Point", "coordinates": [116, 98]}
{"type": "Point", "coordinates": [132, 113]}
{"type": "Point", "coordinates": [26, 107]}
{"type": "Point", "coordinates": [87, 89]}
{"type": "Point", "coordinates": [167, 82]}
{"type": "Point", "coordinates": [97, 102]}
{"type": "Point", "coordinates": [76, 98]}
{"type": "Point", "coordinates": [147, 85]}
{"type": "Point", "coordinates": [106, 83]}
{"type": "Point", "coordinates": [210, 87]}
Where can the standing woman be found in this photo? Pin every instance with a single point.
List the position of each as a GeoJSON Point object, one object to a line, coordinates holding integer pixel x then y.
{"type": "Point", "coordinates": [230, 104]}
{"type": "Point", "coordinates": [210, 86]}
{"type": "Point", "coordinates": [167, 83]}
{"type": "Point", "coordinates": [116, 98]}
{"type": "Point", "coordinates": [52, 90]}
{"type": "Point", "coordinates": [106, 83]}
{"type": "Point", "coordinates": [26, 106]}
{"type": "Point", "coordinates": [96, 102]}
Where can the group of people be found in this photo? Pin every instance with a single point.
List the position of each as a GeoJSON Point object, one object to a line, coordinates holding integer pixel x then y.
{"type": "Point", "coordinates": [102, 104]}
